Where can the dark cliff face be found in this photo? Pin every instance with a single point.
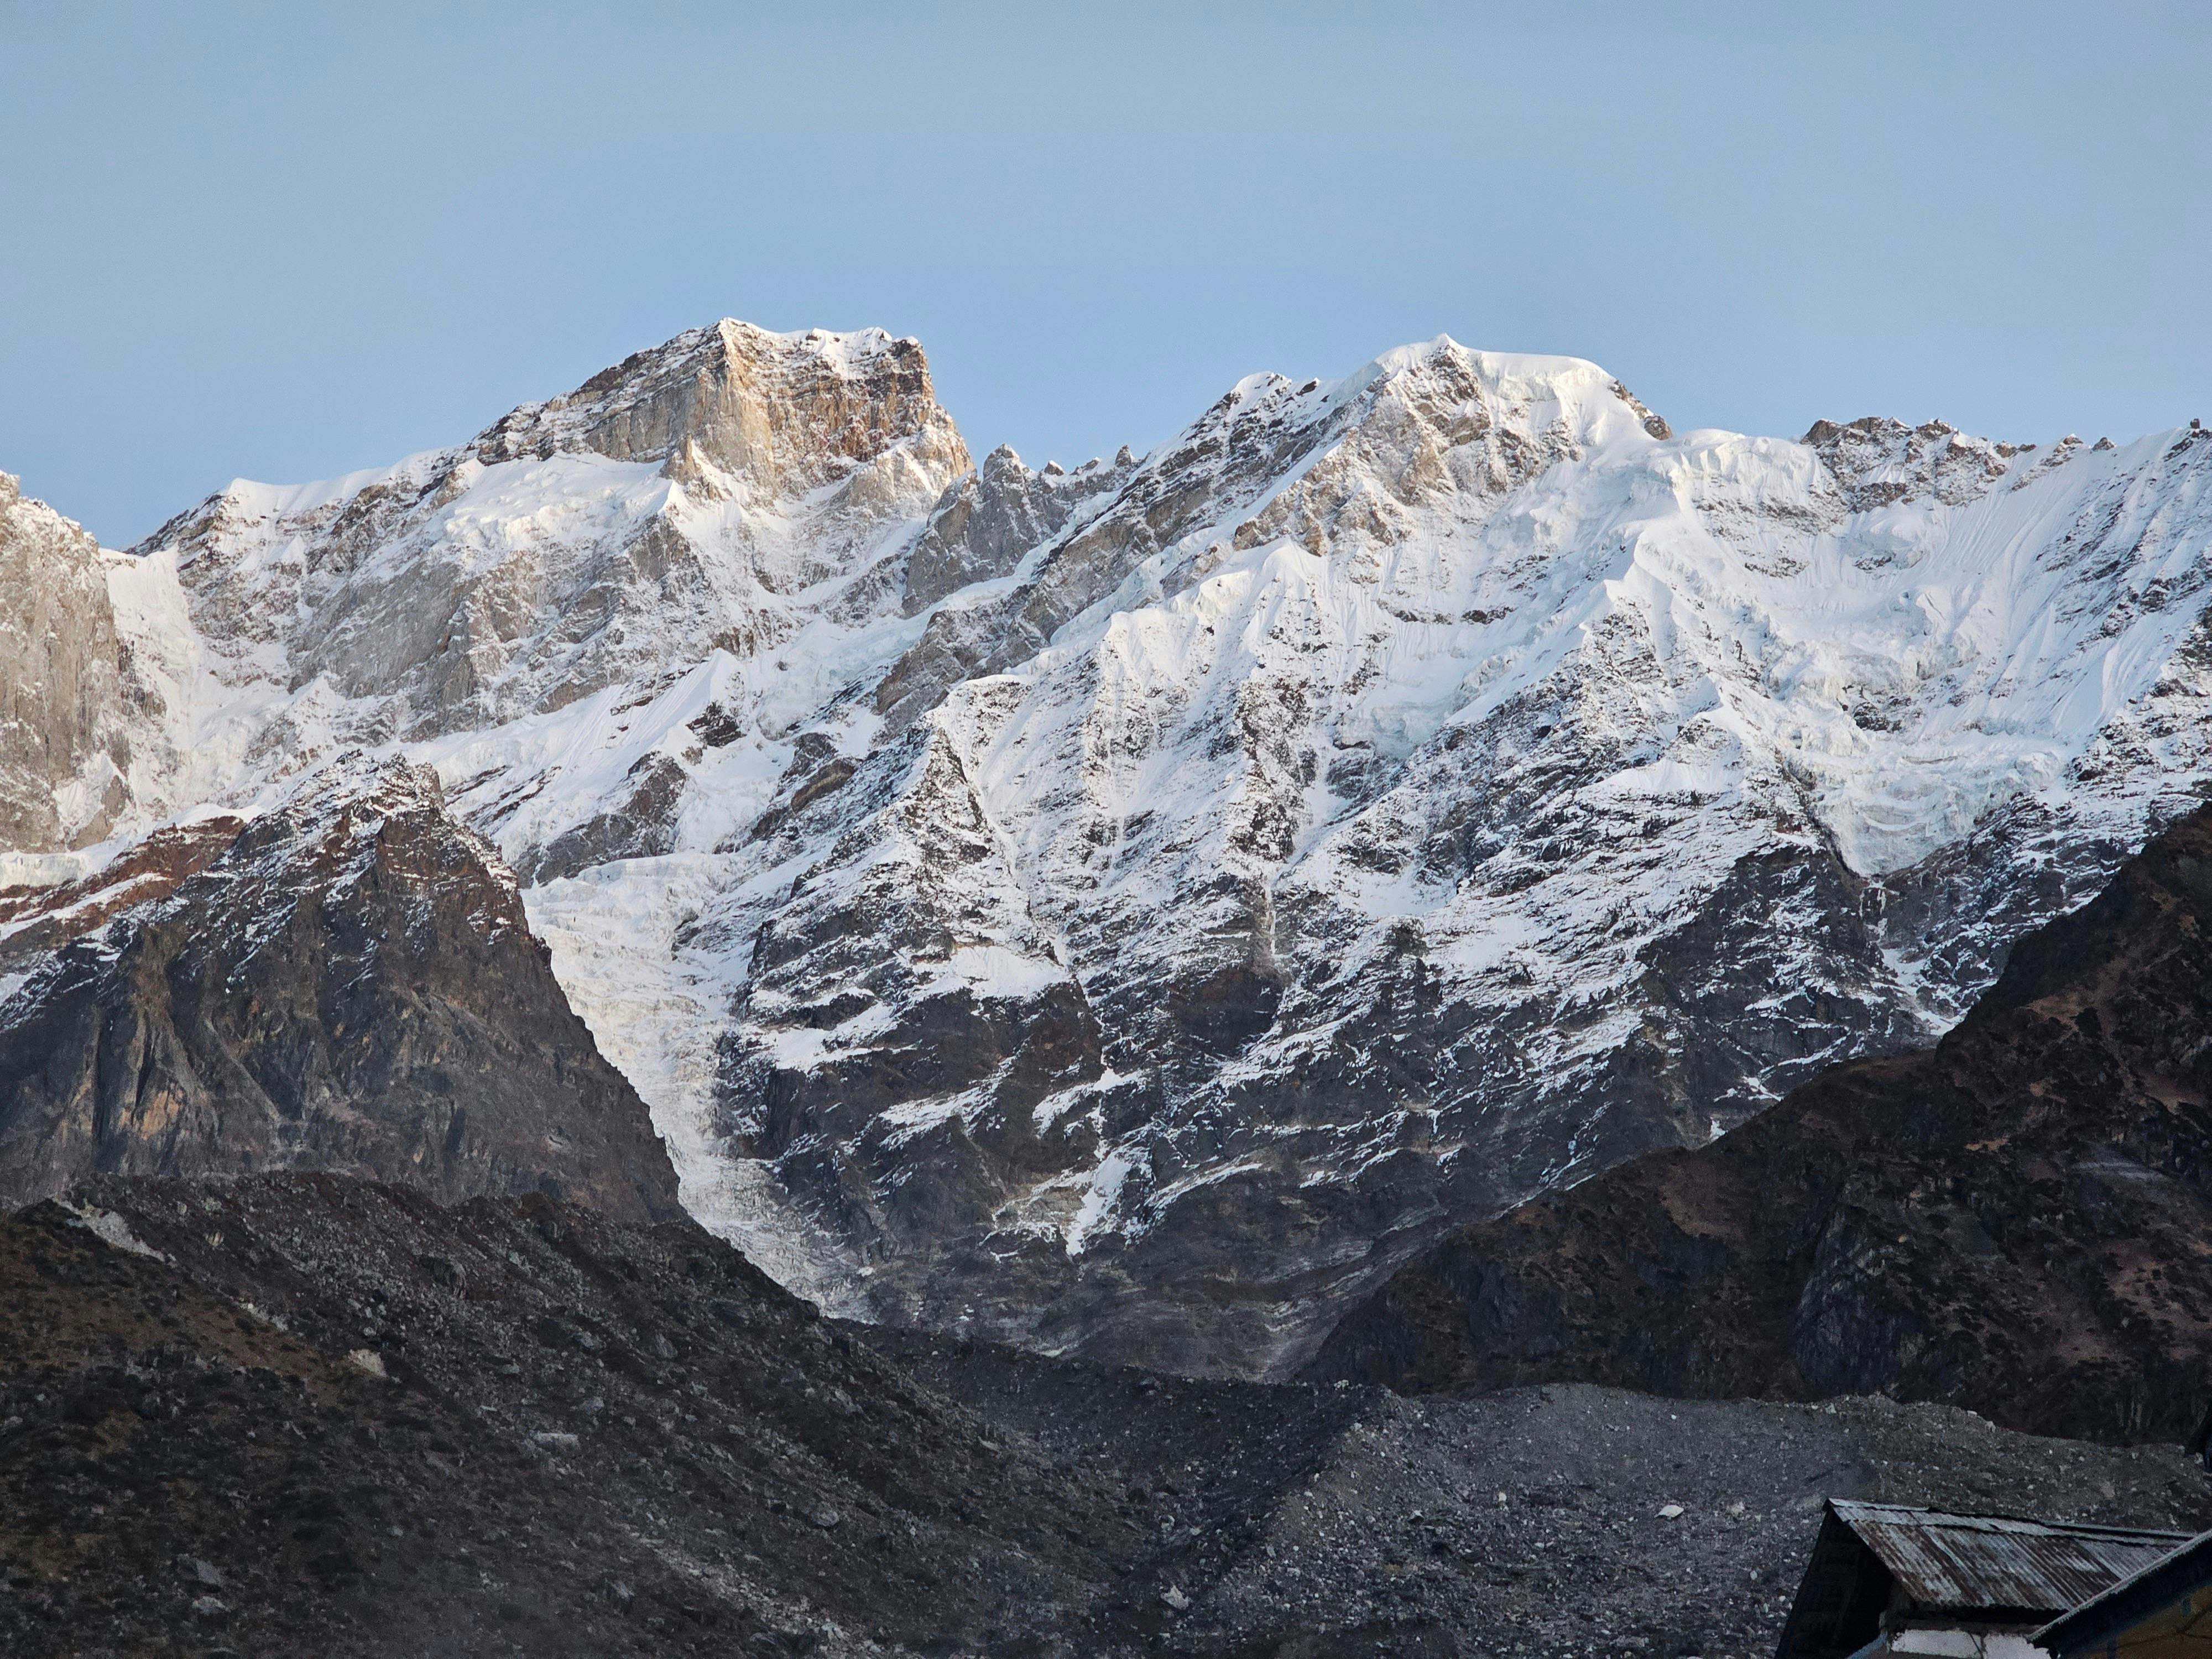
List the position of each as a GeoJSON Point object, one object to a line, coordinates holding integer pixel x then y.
{"type": "Point", "coordinates": [2012, 1221]}
{"type": "Point", "coordinates": [351, 986]}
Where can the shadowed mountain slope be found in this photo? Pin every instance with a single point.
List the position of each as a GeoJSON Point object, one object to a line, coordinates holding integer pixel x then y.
{"type": "Point", "coordinates": [2012, 1221]}
{"type": "Point", "coordinates": [351, 985]}
{"type": "Point", "coordinates": [301, 1413]}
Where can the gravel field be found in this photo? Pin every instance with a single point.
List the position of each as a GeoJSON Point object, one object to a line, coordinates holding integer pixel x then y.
{"type": "Point", "coordinates": [1300, 1519]}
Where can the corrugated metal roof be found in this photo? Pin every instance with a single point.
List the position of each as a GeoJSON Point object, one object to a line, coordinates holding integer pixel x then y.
{"type": "Point", "coordinates": [1963, 1562]}
{"type": "Point", "coordinates": [2164, 1600]}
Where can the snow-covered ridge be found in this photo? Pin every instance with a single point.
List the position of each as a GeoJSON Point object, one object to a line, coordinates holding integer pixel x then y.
{"type": "Point", "coordinates": [1130, 908]}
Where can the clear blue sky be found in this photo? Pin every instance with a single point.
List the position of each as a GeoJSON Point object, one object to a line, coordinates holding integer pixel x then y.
{"type": "Point", "coordinates": [282, 241]}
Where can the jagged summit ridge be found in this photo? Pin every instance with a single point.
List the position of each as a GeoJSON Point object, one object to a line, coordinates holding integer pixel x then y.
{"type": "Point", "coordinates": [708, 494]}
{"type": "Point", "coordinates": [987, 523]}
{"type": "Point", "coordinates": [1272, 457]}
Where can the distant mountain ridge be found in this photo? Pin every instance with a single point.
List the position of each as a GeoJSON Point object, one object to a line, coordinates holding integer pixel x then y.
{"type": "Point", "coordinates": [1133, 909]}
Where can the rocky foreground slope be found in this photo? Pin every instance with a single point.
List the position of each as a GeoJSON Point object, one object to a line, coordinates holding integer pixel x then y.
{"type": "Point", "coordinates": [1131, 910]}
{"type": "Point", "coordinates": [2012, 1221]}
{"type": "Point", "coordinates": [305, 1414]}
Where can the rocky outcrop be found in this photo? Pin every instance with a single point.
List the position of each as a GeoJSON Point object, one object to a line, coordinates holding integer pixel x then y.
{"type": "Point", "coordinates": [1876, 461]}
{"type": "Point", "coordinates": [985, 522]}
{"type": "Point", "coordinates": [36, 920]}
{"type": "Point", "coordinates": [785, 413]}
{"type": "Point", "coordinates": [65, 749]}
{"type": "Point", "coordinates": [351, 985]}
{"type": "Point", "coordinates": [2010, 1222]}
{"type": "Point", "coordinates": [1234, 454]}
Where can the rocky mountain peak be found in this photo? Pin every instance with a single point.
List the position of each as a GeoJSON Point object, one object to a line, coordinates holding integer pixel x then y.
{"type": "Point", "coordinates": [336, 826]}
{"type": "Point", "coordinates": [674, 505]}
{"type": "Point", "coordinates": [1528, 388]}
{"type": "Point", "coordinates": [1311, 461]}
{"type": "Point", "coordinates": [1426, 423]}
{"type": "Point", "coordinates": [786, 412]}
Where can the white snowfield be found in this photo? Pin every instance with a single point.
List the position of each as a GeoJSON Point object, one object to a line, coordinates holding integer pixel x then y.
{"type": "Point", "coordinates": [1129, 909]}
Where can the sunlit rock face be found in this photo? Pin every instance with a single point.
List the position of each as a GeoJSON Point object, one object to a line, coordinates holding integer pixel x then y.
{"type": "Point", "coordinates": [1130, 908]}
{"type": "Point", "coordinates": [64, 746]}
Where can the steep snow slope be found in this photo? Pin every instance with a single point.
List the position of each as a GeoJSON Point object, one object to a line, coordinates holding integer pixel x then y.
{"type": "Point", "coordinates": [1132, 908]}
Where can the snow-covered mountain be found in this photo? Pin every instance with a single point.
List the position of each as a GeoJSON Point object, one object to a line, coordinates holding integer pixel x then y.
{"type": "Point", "coordinates": [1129, 909]}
